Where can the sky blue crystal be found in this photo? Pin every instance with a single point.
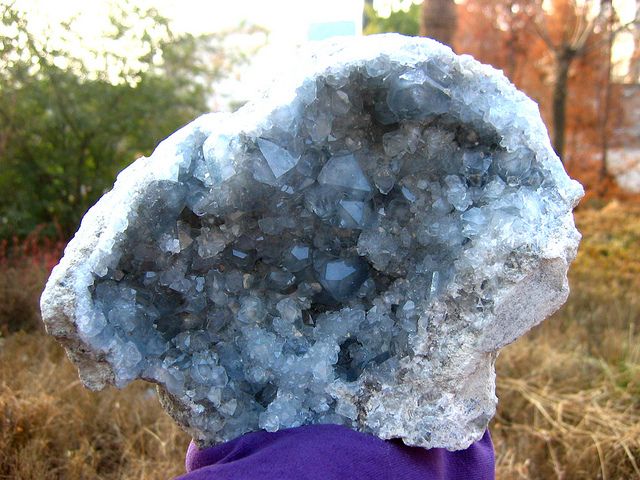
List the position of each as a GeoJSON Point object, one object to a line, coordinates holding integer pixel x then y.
{"type": "Point", "coordinates": [345, 172]}
{"type": "Point", "coordinates": [280, 160]}
{"type": "Point", "coordinates": [335, 258]}
{"type": "Point", "coordinates": [342, 277]}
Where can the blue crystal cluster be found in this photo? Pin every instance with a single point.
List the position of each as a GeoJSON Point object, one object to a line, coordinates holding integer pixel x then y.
{"type": "Point", "coordinates": [290, 268]}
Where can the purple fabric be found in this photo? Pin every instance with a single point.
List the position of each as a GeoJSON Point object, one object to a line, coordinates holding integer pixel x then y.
{"type": "Point", "coordinates": [327, 452]}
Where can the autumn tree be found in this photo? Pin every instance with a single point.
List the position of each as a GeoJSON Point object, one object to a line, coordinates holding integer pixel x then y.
{"type": "Point", "coordinates": [560, 53]}
{"type": "Point", "coordinates": [572, 30]}
{"type": "Point", "coordinates": [566, 28]}
{"type": "Point", "coordinates": [541, 45]}
{"type": "Point", "coordinates": [634, 63]}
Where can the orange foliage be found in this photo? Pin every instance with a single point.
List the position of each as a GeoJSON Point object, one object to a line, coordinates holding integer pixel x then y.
{"type": "Point", "coordinates": [523, 39]}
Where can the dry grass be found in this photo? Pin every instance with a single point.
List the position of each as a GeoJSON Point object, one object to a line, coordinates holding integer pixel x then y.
{"type": "Point", "coordinates": [53, 428]}
{"type": "Point", "coordinates": [20, 288]}
{"type": "Point", "coordinates": [24, 267]}
{"type": "Point", "coordinates": [569, 391]}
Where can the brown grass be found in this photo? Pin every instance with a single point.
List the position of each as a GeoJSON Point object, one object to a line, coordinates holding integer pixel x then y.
{"type": "Point", "coordinates": [569, 391]}
{"type": "Point", "coordinates": [53, 428]}
{"type": "Point", "coordinates": [24, 267]}
{"type": "Point", "coordinates": [20, 289]}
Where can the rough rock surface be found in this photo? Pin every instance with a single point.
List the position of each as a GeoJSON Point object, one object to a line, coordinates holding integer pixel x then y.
{"type": "Point", "coordinates": [354, 248]}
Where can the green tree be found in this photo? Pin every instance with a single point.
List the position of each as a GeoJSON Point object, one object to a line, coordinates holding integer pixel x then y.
{"type": "Point", "coordinates": [67, 129]}
{"type": "Point", "coordinates": [400, 21]}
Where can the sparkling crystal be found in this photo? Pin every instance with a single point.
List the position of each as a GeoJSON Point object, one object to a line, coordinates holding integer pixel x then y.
{"type": "Point", "coordinates": [355, 249]}
{"type": "Point", "coordinates": [280, 161]}
{"type": "Point", "coordinates": [345, 172]}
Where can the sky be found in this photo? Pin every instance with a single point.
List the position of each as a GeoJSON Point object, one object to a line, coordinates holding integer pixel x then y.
{"type": "Point", "coordinates": [288, 21]}
{"type": "Point", "coordinates": [284, 18]}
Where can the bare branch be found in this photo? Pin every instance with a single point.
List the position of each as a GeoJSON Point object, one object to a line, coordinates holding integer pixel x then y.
{"type": "Point", "coordinates": [588, 47]}
{"type": "Point", "coordinates": [542, 32]}
{"type": "Point", "coordinates": [578, 25]}
{"type": "Point", "coordinates": [583, 37]}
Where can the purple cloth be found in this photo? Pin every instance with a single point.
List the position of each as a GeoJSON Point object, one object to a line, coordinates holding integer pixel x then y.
{"type": "Point", "coordinates": [327, 452]}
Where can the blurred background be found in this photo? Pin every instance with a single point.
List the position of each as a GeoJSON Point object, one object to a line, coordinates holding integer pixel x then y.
{"type": "Point", "coordinates": [87, 87]}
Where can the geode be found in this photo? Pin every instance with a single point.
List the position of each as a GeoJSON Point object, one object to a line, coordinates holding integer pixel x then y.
{"type": "Point", "coordinates": [354, 248]}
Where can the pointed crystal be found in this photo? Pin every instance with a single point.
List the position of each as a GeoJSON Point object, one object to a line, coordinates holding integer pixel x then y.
{"type": "Point", "coordinates": [352, 213]}
{"type": "Point", "coordinates": [280, 160]}
{"type": "Point", "coordinates": [341, 277]}
{"type": "Point", "coordinates": [344, 172]}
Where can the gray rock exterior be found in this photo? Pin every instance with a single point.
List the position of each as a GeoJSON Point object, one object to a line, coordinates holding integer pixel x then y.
{"type": "Point", "coordinates": [353, 247]}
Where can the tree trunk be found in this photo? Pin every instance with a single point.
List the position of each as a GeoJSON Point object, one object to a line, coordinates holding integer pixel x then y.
{"type": "Point", "coordinates": [439, 20]}
{"type": "Point", "coordinates": [604, 127]}
{"type": "Point", "coordinates": [564, 58]}
{"type": "Point", "coordinates": [634, 65]}
{"type": "Point", "coordinates": [365, 18]}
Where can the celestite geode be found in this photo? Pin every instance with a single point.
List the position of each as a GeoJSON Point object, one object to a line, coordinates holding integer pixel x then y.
{"type": "Point", "coordinates": [353, 248]}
